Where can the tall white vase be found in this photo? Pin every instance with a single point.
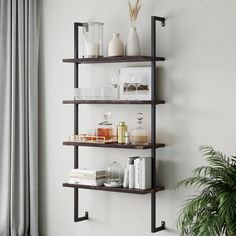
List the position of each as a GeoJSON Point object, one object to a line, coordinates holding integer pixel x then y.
{"type": "Point", "coordinates": [132, 45]}
{"type": "Point", "coordinates": [115, 47]}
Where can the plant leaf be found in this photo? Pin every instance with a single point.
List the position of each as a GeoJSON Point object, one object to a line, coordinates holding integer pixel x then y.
{"type": "Point", "coordinates": [213, 210]}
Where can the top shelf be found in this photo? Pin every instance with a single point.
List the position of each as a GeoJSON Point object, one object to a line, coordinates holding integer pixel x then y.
{"type": "Point", "coordinates": [113, 59]}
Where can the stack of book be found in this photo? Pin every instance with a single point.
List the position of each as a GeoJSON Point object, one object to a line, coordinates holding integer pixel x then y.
{"type": "Point", "coordinates": [87, 177]}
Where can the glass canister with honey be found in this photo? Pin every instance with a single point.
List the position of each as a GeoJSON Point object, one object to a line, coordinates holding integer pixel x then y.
{"type": "Point", "coordinates": [105, 128]}
{"type": "Point", "coordinates": [139, 134]}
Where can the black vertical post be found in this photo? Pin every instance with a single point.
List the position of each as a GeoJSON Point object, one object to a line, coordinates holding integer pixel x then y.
{"type": "Point", "coordinates": [153, 123]}
{"type": "Point", "coordinates": [76, 122]}
{"type": "Point", "coordinates": [76, 119]}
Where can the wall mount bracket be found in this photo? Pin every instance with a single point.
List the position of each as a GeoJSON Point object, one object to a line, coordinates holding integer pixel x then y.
{"type": "Point", "coordinates": [85, 217]}
{"type": "Point", "coordinates": [160, 228]}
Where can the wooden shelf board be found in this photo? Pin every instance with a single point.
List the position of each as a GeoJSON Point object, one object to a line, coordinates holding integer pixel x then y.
{"type": "Point", "coordinates": [112, 189]}
{"type": "Point", "coordinates": [113, 59]}
{"type": "Point", "coordinates": [134, 102]}
{"type": "Point", "coordinates": [114, 145]}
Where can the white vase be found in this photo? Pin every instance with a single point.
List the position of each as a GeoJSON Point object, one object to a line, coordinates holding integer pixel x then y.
{"type": "Point", "coordinates": [132, 45]}
{"type": "Point", "coordinates": [115, 46]}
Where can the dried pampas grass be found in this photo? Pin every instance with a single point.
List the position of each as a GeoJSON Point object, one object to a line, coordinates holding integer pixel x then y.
{"type": "Point", "coordinates": [133, 11]}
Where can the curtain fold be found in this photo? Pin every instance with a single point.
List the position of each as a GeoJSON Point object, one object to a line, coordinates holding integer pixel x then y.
{"type": "Point", "coordinates": [19, 27]}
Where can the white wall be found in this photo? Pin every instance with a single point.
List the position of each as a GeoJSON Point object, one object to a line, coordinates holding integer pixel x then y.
{"type": "Point", "coordinates": [197, 80]}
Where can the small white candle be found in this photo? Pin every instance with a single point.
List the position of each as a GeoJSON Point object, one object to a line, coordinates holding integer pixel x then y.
{"type": "Point", "coordinates": [93, 49]}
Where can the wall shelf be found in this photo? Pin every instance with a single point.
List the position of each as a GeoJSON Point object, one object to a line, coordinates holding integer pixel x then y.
{"type": "Point", "coordinates": [114, 145]}
{"type": "Point", "coordinates": [153, 102]}
{"type": "Point", "coordinates": [118, 190]}
{"type": "Point", "coordinates": [114, 102]}
{"type": "Point", "coordinates": [113, 59]}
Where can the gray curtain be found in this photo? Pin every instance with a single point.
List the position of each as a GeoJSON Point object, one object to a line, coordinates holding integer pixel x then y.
{"type": "Point", "coordinates": [18, 117]}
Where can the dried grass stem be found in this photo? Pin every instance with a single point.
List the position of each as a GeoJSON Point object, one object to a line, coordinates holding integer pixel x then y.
{"type": "Point", "coordinates": [133, 11]}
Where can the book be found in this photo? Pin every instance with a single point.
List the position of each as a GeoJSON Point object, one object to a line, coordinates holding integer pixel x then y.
{"type": "Point", "coordinates": [137, 173]}
{"type": "Point", "coordinates": [82, 176]}
{"type": "Point", "coordinates": [143, 173]}
{"type": "Point", "coordinates": [146, 173]}
{"type": "Point", "coordinates": [87, 174]}
{"type": "Point", "coordinates": [90, 182]}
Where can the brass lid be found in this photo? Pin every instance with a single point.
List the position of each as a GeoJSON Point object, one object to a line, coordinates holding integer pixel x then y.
{"type": "Point", "coordinates": [121, 123]}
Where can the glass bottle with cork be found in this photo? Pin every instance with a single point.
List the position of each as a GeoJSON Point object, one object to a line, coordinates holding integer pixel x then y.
{"type": "Point", "coordinates": [105, 128]}
{"type": "Point", "coordinates": [139, 134]}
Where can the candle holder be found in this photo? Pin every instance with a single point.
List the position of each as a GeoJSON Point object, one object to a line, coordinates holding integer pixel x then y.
{"type": "Point", "coordinates": [92, 39]}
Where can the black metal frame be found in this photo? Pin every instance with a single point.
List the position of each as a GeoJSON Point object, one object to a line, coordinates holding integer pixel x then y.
{"type": "Point", "coordinates": [154, 19]}
{"type": "Point", "coordinates": [76, 123]}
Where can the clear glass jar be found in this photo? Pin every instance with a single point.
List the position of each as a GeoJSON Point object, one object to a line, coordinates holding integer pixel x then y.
{"type": "Point", "coordinates": [93, 39]}
{"type": "Point", "coordinates": [105, 128]}
{"type": "Point", "coordinates": [114, 175]}
{"type": "Point", "coordinates": [139, 135]}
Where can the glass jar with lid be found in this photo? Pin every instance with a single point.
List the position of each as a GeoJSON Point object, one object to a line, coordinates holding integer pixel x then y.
{"type": "Point", "coordinates": [139, 134]}
{"type": "Point", "coordinates": [105, 128]}
{"type": "Point", "coordinates": [114, 175]}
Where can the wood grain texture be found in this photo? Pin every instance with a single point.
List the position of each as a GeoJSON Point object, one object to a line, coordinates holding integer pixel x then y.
{"type": "Point", "coordinates": [133, 102]}
{"type": "Point", "coordinates": [113, 59]}
{"type": "Point", "coordinates": [114, 145]}
{"type": "Point", "coordinates": [112, 189]}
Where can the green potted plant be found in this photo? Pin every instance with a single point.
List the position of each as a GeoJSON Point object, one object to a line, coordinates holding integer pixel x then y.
{"type": "Point", "coordinates": [213, 211]}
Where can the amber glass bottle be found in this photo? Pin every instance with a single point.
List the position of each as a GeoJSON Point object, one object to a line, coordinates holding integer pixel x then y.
{"type": "Point", "coordinates": [105, 128]}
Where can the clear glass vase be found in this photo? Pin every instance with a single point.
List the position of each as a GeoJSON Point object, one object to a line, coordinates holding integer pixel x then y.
{"type": "Point", "coordinates": [93, 39]}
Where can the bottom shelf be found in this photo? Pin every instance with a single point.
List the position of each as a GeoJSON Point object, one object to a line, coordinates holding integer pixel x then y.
{"type": "Point", "coordinates": [111, 189]}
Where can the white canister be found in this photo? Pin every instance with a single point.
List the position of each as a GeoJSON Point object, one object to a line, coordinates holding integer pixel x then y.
{"type": "Point", "coordinates": [116, 46]}
{"type": "Point", "coordinates": [132, 45]}
{"type": "Point", "coordinates": [131, 176]}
